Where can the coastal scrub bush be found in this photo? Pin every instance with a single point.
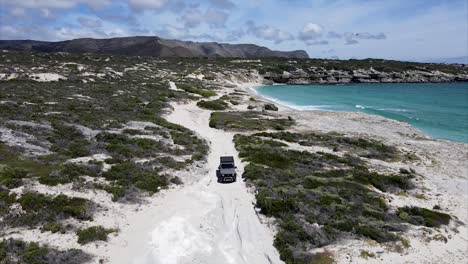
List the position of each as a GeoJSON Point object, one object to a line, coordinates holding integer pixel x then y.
{"type": "Point", "coordinates": [127, 174]}
{"type": "Point", "coordinates": [7, 198]}
{"type": "Point", "coordinates": [18, 251]}
{"type": "Point", "coordinates": [325, 257]}
{"type": "Point", "coordinates": [213, 105]}
{"type": "Point", "coordinates": [244, 121]}
{"type": "Point", "coordinates": [193, 88]}
{"type": "Point", "coordinates": [53, 228]}
{"type": "Point", "coordinates": [12, 177]}
{"type": "Point", "coordinates": [42, 209]}
{"type": "Point", "coordinates": [367, 148]}
{"type": "Point", "coordinates": [69, 172]}
{"type": "Point", "coordinates": [93, 233]}
{"type": "Point", "coordinates": [67, 140]}
{"type": "Point", "coordinates": [422, 216]}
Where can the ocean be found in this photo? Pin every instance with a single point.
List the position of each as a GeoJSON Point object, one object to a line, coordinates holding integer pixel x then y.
{"type": "Point", "coordinates": [438, 109]}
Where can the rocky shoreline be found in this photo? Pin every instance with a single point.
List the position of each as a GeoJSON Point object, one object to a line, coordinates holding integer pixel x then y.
{"type": "Point", "coordinates": [323, 76]}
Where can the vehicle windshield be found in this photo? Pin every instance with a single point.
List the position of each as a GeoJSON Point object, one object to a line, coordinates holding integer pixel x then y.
{"type": "Point", "coordinates": [227, 166]}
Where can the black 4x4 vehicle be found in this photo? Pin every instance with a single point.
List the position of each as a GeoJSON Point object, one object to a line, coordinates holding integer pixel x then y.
{"type": "Point", "coordinates": [227, 170]}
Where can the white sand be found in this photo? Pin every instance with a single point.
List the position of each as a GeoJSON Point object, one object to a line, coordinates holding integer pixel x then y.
{"type": "Point", "coordinates": [198, 76]}
{"type": "Point", "coordinates": [173, 87]}
{"type": "Point", "coordinates": [46, 77]}
{"type": "Point", "coordinates": [95, 157]}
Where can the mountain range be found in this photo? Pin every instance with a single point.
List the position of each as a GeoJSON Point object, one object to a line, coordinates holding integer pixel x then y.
{"type": "Point", "coordinates": [150, 46]}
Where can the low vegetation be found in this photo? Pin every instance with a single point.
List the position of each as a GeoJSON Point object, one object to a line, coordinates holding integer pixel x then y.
{"type": "Point", "coordinates": [318, 198]}
{"type": "Point", "coordinates": [213, 105]}
{"type": "Point", "coordinates": [196, 88]}
{"type": "Point", "coordinates": [93, 233]}
{"type": "Point", "coordinates": [367, 148]}
{"type": "Point", "coordinates": [17, 251]}
{"type": "Point", "coordinates": [245, 121]}
{"type": "Point", "coordinates": [366, 254]}
{"type": "Point", "coordinates": [126, 174]}
{"type": "Point", "coordinates": [423, 216]}
{"type": "Point", "coordinates": [44, 210]}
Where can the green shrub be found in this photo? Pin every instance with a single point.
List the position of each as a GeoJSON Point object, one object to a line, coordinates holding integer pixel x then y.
{"type": "Point", "coordinates": [422, 216]}
{"type": "Point", "coordinates": [17, 251]}
{"type": "Point", "coordinates": [376, 234]}
{"type": "Point", "coordinates": [128, 174]}
{"type": "Point", "coordinates": [191, 88]}
{"type": "Point", "coordinates": [41, 208]}
{"type": "Point", "coordinates": [12, 177]}
{"type": "Point", "coordinates": [6, 199]}
{"type": "Point", "coordinates": [245, 121]}
{"type": "Point", "coordinates": [69, 172]}
{"type": "Point", "coordinates": [366, 254]}
{"type": "Point", "coordinates": [213, 105]}
{"type": "Point", "coordinates": [362, 147]}
{"type": "Point", "coordinates": [93, 233]}
{"type": "Point", "coordinates": [53, 227]}
{"type": "Point", "coordinates": [322, 258]}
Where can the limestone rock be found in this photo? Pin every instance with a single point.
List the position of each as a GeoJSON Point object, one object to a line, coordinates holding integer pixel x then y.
{"type": "Point", "coordinates": [270, 107]}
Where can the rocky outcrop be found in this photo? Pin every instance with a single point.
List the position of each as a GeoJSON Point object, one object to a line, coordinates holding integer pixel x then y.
{"type": "Point", "coordinates": [270, 107]}
{"type": "Point", "coordinates": [150, 46]}
{"type": "Point", "coordinates": [323, 76]}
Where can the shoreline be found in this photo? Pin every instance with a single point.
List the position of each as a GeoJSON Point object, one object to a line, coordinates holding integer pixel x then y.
{"type": "Point", "coordinates": [251, 88]}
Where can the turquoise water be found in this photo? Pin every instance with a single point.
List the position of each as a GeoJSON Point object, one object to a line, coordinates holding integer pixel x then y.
{"type": "Point", "coordinates": [440, 110]}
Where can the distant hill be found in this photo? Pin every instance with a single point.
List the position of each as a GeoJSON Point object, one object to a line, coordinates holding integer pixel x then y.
{"type": "Point", "coordinates": [150, 46]}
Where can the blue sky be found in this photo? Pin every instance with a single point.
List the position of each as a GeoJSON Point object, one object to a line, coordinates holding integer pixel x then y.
{"type": "Point", "coordinates": [392, 29]}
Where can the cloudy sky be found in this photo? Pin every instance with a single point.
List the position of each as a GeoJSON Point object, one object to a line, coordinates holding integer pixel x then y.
{"type": "Point", "coordinates": [395, 29]}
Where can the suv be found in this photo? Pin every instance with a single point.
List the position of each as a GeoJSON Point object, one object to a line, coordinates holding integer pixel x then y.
{"type": "Point", "coordinates": [227, 170]}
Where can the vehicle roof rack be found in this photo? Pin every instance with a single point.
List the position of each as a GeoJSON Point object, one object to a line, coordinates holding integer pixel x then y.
{"type": "Point", "coordinates": [227, 159]}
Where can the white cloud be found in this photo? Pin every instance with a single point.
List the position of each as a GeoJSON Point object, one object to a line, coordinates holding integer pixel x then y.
{"type": "Point", "coordinates": [268, 33]}
{"type": "Point", "coordinates": [311, 31]}
{"type": "Point", "coordinates": [214, 18]}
